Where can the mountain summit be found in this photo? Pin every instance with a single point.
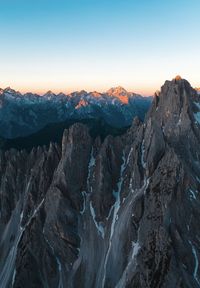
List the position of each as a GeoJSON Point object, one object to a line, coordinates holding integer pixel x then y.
{"type": "Point", "coordinates": [120, 93]}
{"type": "Point", "coordinates": [177, 78]}
{"type": "Point", "coordinates": [117, 91]}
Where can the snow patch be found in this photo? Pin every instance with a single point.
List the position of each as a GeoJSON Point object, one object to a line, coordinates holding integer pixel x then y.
{"type": "Point", "coordinates": [179, 122]}
{"type": "Point", "coordinates": [90, 166]}
{"type": "Point", "coordinates": [197, 114]}
{"type": "Point", "coordinates": [196, 267]}
{"type": "Point", "coordinates": [192, 194]}
{"type": "Point", "coordinates": [60, 284]}
{"type": "Point", "coordinates": [136, 248]}
{"type": "Point", "coordinates": [122, 282]}
{"type": "Point", "coordinates": [99, 226]}
{"type": "Point", "coordinates": [13, 278]}
{"type": "Point", "coordinates": [84, 194]}
{"type": "Point", "coordinates": [129, 155]}
{"type": "Point", "coordinates": [142, 155]}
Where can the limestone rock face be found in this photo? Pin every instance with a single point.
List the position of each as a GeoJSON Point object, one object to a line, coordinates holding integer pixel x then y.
{"type": "Point", "coordinates": [119, 212]}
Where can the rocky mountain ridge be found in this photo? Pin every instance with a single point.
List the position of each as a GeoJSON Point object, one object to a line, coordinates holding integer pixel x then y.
{"type": "Point", "coordinates": [23, 115]}
{"type": "Point", "coordinates": [122, 212]}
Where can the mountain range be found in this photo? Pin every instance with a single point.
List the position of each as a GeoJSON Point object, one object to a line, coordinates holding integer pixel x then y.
{"type": "Point", "coordinates": [115, 211]}
{"type": "Point", "coordinates": [23, 115]}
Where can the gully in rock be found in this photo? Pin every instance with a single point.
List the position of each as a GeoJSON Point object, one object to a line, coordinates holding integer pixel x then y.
{"type": "Point", "coordinates": [8, 269]}
{"type": "Point", "coordinates": [115, 216]}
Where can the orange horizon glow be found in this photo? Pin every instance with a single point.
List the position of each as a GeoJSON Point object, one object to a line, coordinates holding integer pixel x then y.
{"type": "Point", "coordinates": [139, 91]}
{"type": "Point", "coordinates": [147, 91]}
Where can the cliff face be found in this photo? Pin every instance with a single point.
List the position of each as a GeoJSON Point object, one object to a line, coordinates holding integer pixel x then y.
{"type": "Point", "coordinates": [122, 213]}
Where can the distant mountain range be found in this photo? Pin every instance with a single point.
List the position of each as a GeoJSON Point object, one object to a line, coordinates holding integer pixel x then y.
{"type": "Point", "coordinates": [23, 115]}
{"type": "Point", "coordinates": [198, 90]}
{"type": "Point", "coordinates": [53, 133]}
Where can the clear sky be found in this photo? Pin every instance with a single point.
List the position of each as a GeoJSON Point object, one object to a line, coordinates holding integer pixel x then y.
{"type": "Point", "coordinates": [65, 45]}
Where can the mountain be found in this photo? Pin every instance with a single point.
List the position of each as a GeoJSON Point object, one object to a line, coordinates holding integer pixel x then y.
{"type": "Point", "coordinates": [120, 93]}
{"type": "Point", "coordinates": [53, 133]}
{"type": "Point", "coordinates": [198, 90]}
{"type": "Point", "coordinates": [121, 211]}
{"type": "Point", "coordinates": [23, 115]}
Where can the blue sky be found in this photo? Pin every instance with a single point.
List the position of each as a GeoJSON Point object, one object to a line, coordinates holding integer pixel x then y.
{"type": "Point", "coordinates": [93, 45]}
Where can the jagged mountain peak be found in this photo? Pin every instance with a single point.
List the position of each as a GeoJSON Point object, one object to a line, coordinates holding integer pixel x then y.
{"type": "Point", "coordinates": [78, 93]}
{"type": "Point", "coordinates": [174, 97]}
{"type": "Point", "coordinates": [82, 103]}
{"type": "Point", "coordinates": [9, 90]}
{"type": "Point", "coordinates": [120, 93]}
{"type": "Point", "coordinates": [49, 94]}
{"type": "Point", "coordinates": [178, 78]}
{"type": "Point", "coordinates": [176, 90]}
{"type": "Point", "coordinates": [96, 94]}
{"type": "Point", "coordinates": [61, 94]}
{"type": "Point", "coordinates": [117, 91]}
{"type": "Point", "coordinates": [174, 119]}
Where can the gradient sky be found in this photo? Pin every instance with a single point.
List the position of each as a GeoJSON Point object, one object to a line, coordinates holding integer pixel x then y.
{"type": "Point", "coordinates": [65, 45]}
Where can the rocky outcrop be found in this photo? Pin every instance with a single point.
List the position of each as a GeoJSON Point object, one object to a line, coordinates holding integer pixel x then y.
{"type": "Point", "coordinates": [118, 212]}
